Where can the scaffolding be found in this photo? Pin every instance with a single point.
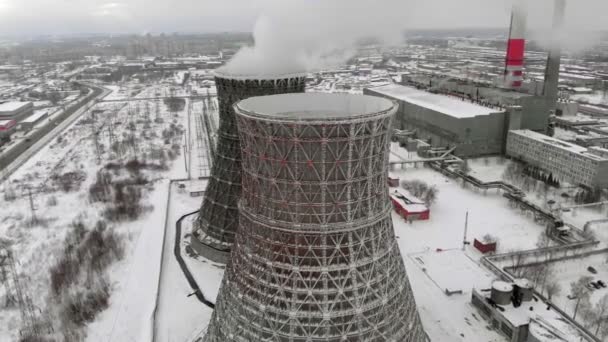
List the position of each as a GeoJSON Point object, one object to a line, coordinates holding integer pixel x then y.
{"type": "Point", "coordinates": [213, 233]}
{"type": "Point", "coordinates": [315, 256]}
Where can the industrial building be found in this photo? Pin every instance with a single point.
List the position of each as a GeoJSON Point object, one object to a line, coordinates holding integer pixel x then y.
{"type": "Point", "coordinates": [450, 121]}
{"type": "Point", "coordinates": [315, 256]}
{"type": "Point", "coordinates": [571, 163]}
{"type": "Point", "coordinates": [213, 234]}
{"type": "Point", "coordinates": [513, 310]}
{"type": "Point", "coordinates": [16, 110]}
{"type": "Point", "coordinates": [31, 121]}
{"type": "Point", "coordinates": [7, 127]}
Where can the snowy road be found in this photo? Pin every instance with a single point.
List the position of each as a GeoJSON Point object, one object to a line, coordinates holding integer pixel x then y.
{"type": "Point", "coordinates": [29, 151]}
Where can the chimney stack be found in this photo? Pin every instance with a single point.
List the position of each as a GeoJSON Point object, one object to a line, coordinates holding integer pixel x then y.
{"type": "Point", "coordinates": [514, 66]}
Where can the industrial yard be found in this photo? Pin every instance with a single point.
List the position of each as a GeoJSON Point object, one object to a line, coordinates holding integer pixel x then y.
{"type": "Point", "coordinates": [368, 181]}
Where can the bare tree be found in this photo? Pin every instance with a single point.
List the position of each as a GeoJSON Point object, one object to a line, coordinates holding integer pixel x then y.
{"type": "Point", "coordinates": [431, 195]}
{"type": "Point", "coordinates": [600, 312]}
{"type": "Point", "coordinates": [543, 240]}
{"type": "Point", "coordinates": [553, 288]}
{"type": "Point", "coordinates": [579, 290]}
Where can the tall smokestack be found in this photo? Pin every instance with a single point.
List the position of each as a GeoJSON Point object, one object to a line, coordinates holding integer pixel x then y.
{"type": "Point", "coordinates": [555, 55]}
{"type": "Point", "coordinates": [514, 66]}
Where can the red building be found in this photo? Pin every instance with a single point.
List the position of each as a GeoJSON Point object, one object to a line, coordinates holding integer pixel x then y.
{"type": "Point", "coordinates": [408, 206]}
{"type": "Point", "coordinates": [485, 247]}
{"type": "Point", "coordinates": [6, 128]}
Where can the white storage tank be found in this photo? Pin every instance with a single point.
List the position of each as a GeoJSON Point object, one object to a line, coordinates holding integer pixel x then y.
{"type": "Point", "coordinates": [501, 292]}
{"type": "Point", "coordinates": [524, 290]}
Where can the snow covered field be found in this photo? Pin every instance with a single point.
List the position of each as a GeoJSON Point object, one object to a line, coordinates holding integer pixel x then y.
{"type": "Point", "coordinates": [37, 247]}
{"type": "Point", "coordinates": [489, 213]}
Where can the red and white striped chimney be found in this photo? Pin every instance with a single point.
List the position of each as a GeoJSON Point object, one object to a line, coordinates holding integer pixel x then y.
{"type": "Point", "coordinates": [514, 66]}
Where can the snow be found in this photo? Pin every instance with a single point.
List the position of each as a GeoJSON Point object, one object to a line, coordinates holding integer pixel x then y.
{"type": "Point", "coordinates": [568, 271]}
{"type": "Point", "coordinates": [452, 270]}
{"type": "Point", "coordinates": [36, 116]}
{"type": "Point", "coordinates": [597, 98]}
{"type": "Point", "coordinates": [412, 205]}
{"type": "Point", "coordinates": [12, 106]}
{"type": "Point", "coordinates": [489, 213]}
{"type": "Point", "coordinates": [174, 290]}
{"type": "Point", "coordinates": [129, 317]}
{"type": "Point", "coordinates": [451, 106]}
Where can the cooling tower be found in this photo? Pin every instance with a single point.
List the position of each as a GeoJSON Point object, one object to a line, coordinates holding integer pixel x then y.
{"type": "Point", "coordinates": [213, 233]}
{"type": "Point", "coordinates": [315, 257]}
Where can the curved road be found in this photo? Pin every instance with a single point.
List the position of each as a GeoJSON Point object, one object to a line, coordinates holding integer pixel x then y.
{"type": "Point", "coordinates": [13, 158]}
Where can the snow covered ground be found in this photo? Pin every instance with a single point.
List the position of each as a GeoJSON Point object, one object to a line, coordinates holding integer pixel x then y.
{"type": "Point", "coordinates": [179, 315]}
{"type": "Point", "coordinates": [134, 279]}
{"type": "Point", "coordinates": [596, 98]}
{"type": "Point", "coordinates": [447, 318]}
{"type": "Point", "coordinates": [489, 213]}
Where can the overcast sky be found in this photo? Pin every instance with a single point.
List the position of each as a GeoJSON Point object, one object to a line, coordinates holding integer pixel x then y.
{"type": "Point", "coordinates": [141, 16]}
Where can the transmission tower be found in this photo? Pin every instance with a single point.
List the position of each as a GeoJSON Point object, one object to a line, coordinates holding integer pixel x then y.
{"type": "Point", "coordinates": [29, 320]}
{"type": "Point", "coordinates": [95, 134]}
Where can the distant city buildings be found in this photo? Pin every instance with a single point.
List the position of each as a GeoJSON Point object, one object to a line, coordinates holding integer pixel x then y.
{"type": "Point", "coordinates": [572, 163]}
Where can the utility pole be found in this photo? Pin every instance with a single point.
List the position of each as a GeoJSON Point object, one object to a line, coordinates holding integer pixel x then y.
{"type": "Point", "coordinates": [466, 227]}
{"type": "Point", "coordinates": [32, 206]}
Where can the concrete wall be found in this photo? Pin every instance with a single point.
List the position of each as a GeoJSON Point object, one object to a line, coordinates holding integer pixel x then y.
{"type": "Point", "coordinates": [474, 136]}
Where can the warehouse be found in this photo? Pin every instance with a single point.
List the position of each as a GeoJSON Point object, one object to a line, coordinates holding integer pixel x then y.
{"type": "Point", "coordinates": [16, 110]}
{"type": "Point", "coordinates": [31, 121]}
{"type": "Point", "coordinates": [7, 127]}
{"type": "Point", "coordinates": [447, 121]}
{"type": "Point", "coordinates": [572, 163]}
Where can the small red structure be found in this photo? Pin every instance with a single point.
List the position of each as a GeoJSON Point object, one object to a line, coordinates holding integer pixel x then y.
{"type": "Point", "coordinates": [485, 247]}
{"type": "Point", "coordinates": [408, 206]}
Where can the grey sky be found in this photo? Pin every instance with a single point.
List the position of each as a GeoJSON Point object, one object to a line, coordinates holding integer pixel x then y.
{"type": "Point", "coordinates": [139, 16]}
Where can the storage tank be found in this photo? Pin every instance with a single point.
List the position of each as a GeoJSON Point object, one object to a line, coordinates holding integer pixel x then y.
{"type": "Point", "coordinates": [502, 292]}
{"type": "Point", "coordinates": [523, 289]}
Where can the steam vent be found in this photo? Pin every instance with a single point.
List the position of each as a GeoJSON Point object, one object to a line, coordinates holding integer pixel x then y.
{"type": "Point", "coordinates": [315, 256]}
{"type": "Point", "coordinates": [217, 222]}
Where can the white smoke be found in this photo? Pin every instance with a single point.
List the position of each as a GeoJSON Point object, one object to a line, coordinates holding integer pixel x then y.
{"type": "Point", "coordinates": [578, 32]}
{"type": "Point", "coordinates": [304, 35]}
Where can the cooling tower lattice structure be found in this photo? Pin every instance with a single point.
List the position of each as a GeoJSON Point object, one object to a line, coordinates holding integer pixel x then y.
{"type": "Point", "coordinates": [213, 233]}
{"type": "Point", "coordinates": [315, 256]}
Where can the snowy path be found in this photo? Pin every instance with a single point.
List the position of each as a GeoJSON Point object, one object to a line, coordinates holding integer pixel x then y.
{"type": "Point", "coordinates": [178, 316]}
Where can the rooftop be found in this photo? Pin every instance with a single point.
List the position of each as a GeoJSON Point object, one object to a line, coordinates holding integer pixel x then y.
{"type": "Point", "coordinates": [315, 106]}
{"type": "Point", "coordinates": [448, 105]}
{"type": "Point", "coordinates": [36, 116]}
{"type": "Point", "coordinates": [548, 325]}
{"type": "Point", "coordinates": [12, 106]}
{"type": "Point", "coordinates": [556, 142]}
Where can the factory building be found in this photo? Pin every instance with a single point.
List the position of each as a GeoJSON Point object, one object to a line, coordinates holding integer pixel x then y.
{"type": "Point", "coordinates": [16, 110]}
{"type": "Point", "coordinates": [513, 311]}
{"type": "Point", "coordinates": [7, 127]}
{"type": "Point", "coordinates": [450, 121]}
{"type": "Point", "coordinates": [571, 163]}
{"type": "Point", "coordinates": [32, 120]}
{"type": "Point", "coordinates": [535, 109]}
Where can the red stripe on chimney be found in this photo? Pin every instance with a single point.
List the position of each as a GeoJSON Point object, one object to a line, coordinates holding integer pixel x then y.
{"type": "Point", "coordinates": [515, 52]}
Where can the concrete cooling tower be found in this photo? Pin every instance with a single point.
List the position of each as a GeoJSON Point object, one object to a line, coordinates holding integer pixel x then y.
{"type": "Point", "coordinates": [315, 257]}
{"type": "Point", "coordinates": [213, 232]}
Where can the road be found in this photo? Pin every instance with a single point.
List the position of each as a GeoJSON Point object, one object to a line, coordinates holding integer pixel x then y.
{"type": "Point", "coordinates": [13, 158]}
{"type": "Point", "coordinates": [199, 97]}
